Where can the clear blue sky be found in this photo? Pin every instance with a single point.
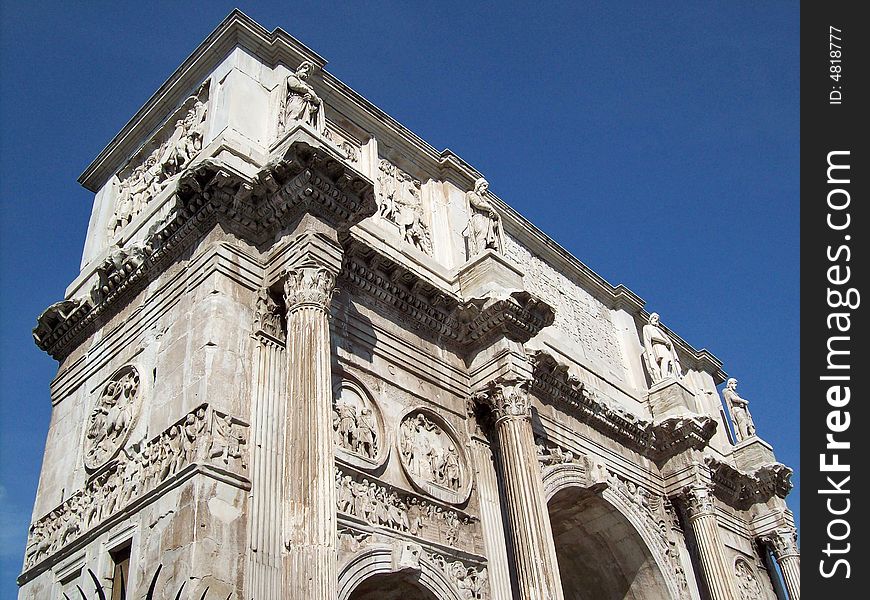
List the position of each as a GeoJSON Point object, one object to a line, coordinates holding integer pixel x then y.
{"type": "Point", "coordinates": [656, 141]}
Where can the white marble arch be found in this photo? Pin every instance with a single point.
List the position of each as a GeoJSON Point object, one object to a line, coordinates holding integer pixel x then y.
{"type": "Point", "coordinates": [571, 476]}
{"type": "Point", "coordinates": [378, 560]}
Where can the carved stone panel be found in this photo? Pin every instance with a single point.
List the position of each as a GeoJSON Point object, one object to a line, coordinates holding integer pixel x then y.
{"type": "Point", "coordinates": [112, 417]}
{"type": "Point", "coordinates": [358, 426]}
{"type": "Point", "coordinates": [432, 457]}
{"type": "Point", "coordinates": [585, 320]}
{"type": "Point", "coordinates": [166, 154]}
{"type": "Point", "coordinates": [348, 147]}
{"type": "Point", "coordinates": [747, 583]}
{"type": "Point", "coordinates": [400, 202]}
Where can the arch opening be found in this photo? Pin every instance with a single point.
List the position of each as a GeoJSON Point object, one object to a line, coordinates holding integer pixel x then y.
{"type": "Point", "coordinates": [601, 555]}
{"type": "Point", "coordinates": [391, 586]}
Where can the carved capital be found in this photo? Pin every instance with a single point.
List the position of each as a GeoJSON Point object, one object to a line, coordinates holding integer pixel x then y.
{"type": "Point", "coordinates": [698, 500]}
{"type": "Point", "coordinates": [507, 399]}
{"type": "Point", "coordinates": [782, 542]}
{"type": "Point", "coordinates": [311, 286]}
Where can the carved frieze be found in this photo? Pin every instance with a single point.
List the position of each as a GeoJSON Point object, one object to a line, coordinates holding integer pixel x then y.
{"type": "Point", "coordinates": [204, 436]}
{"type": "Point", "coordinates": [112, 418]}
{"type": "Point", "coordinates": [432, 457]}
{"type": "Point", "coordinates": [593, 468]}
{"type": "Point", "coordinates": [348, 147]}
{"type": "Point", "coordinates": [382, 505]}
{"type": "Point", "coordinates": [581, 317]}
{"type": "Point", "coordinates": [165, 155]}
{"type": "Point", "coordinates": [358, 426]}
{"type": "Point", "coordinates": [400, 202]}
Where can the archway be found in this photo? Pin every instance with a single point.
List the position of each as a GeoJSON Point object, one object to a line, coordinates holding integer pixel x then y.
{"type": "Point", "coordinates": [602, 555]}
{"type": "Point", "coordinates": [381, 572]}
{"type": "Point", "coordinates": [391, 586]}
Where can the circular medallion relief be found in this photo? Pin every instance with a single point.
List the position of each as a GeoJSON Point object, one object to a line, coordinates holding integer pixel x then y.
{"type": "Point", "coordinates": [747, 584]}
{"type": "Point", "coordinates": [432, 457]}
{"type": "Point", "coordinates": [112, 418]}
{"type": "Point", "coordinates": [359, 430]}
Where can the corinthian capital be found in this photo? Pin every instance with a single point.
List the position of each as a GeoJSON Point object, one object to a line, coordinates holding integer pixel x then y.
{"type": "Point", "coordinates": [508, 398]}
{"type": "Point", "coordinates": [698, 499]}
{"type": "Point", "coordinates": [782, 542]}
{"type": "Point", "coordinates": [308, 286]}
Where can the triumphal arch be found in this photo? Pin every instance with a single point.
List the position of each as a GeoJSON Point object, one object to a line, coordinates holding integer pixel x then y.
{"type": "Point", "coordinates": [310, 357]}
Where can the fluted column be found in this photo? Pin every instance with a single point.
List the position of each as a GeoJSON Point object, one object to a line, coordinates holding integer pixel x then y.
{"type": "Point", "coordinates": [534, 553]}
{"type": "Point", "coordinates": [310, 525]}
{"type": "Point", "coordinates": [702, 518]}
{"type": "Point", "coordinates": [783, 545]}
{"type": "Point", "coordinates": [267, 453]}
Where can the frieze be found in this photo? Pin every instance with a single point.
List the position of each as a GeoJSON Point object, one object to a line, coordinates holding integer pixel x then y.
{"type": "Point", "coordinates": [204, 436]}
{"type": "Point", "coordinates": [400, 202]}
{"type": "Point", "coordinates": [383, 505]}
{"type": "Point", "coordinates": [347, 146]}
{"type": "Point", "coordinates": [581, 317]}
{"type": "Point", "coordinates": [165, 155]}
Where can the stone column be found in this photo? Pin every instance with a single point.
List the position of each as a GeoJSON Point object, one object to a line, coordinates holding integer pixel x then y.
{"type": "Point", "coordinates": [783, 545]}
{"type": "Point", "coordinates": [534, 553]}
{"type": "Point", "coordinates": [310, 526]}
{"type": "Point", "coordinates": [716, 569]}
{"type": "Point", "coordinates": [267, 453]}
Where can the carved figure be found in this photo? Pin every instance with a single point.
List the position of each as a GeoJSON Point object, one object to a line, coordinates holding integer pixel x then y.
{"type": "Point", "coordinates": [739, 408]}
{"type": "Point", "coordinates": [302, 103]}
{"type": "Point", "coordinates": [365, 436]}
{"type": "Point", "coordinates": [267, 317]}
{"type": "Point", "coordinates": [482, 231]}
{"type": "Point", "coordinates": [659, 353]}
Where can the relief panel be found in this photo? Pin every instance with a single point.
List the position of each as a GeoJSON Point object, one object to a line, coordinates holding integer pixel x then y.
{"type": "Point", "coordinates": [585, 320]}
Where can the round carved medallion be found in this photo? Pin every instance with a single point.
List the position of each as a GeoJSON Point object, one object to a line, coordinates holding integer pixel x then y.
{"type": "Point", "coordinates": [112, 418]}
{"type": "Point", "coordinates": [359, 430]}
{"type": "Point", "coordinates": [432, 458]}
{"type": "Point", "coordinates": [747, 584]}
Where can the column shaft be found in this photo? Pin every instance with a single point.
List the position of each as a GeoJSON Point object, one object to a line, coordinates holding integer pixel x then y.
{"type": "Point", "coordinates": [783, 545]}
{"type": "Point", "coordinates": [310, 527]}
{"type": "Point", "coordinates": [716, 569]}
{"type": "Point", "coordinates": [534, 553]}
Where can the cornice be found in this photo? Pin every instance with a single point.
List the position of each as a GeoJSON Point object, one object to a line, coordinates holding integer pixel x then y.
{"type": "Point", "coordinates": [304, 178]}
{"type": "Point", "coordinates": [657, 440]}
{"type": "Point", "coordinates": [741, 489]}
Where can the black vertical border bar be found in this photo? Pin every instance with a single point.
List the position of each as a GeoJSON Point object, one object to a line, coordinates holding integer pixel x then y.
{"type": "Point", "coordinates": [828, 127]}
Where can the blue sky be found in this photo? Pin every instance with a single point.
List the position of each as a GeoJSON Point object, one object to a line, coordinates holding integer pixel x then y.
{"type": "Point", "coordinates": [657, 141]}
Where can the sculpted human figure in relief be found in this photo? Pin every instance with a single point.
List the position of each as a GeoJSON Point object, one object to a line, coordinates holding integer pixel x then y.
{"type": "Point", "coordinates": [659, 353]}
{"type": "Point", "coordinates": [739, 408]}
{"type": "Point", "coordinates": [302, 103]}
{"type": "Point", "coordinates": [482, 230]}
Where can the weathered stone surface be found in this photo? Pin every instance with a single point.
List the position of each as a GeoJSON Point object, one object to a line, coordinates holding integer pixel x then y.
{"type": "Point", "coordinates": [308, 357]}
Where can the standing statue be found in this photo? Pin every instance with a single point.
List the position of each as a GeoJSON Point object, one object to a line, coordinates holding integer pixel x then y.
{"type": "Point", "coordinates": [301, 102]}
{"type": "Point", "coordinates": [739, 408]}
{"type": "Point", "coordinates": [482, 230]}
{"type": "Point", "coordinates": [659, 353]}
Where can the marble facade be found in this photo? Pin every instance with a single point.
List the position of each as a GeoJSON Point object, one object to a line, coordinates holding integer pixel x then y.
{"type": "Point", "coordinates": [309, 356]}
